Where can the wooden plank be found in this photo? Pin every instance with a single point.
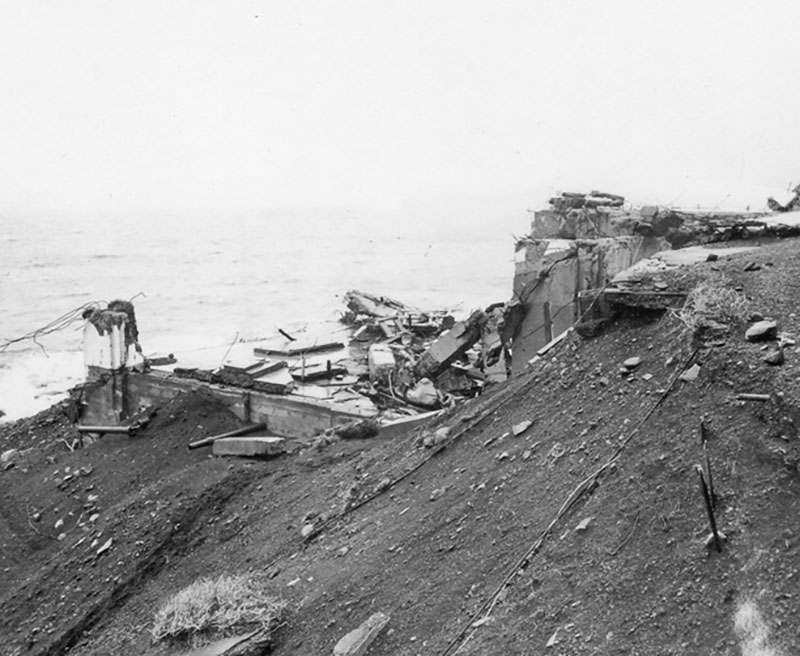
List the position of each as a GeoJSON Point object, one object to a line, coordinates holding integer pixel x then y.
{"type": "Point", "coordinates": [317, 371]}
{"type": "Point", "coordinates": [553, 342]}
{"type": "Point", "coordinates": [295, 349]}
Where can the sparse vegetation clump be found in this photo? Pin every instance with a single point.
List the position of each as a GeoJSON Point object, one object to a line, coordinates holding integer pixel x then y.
{"type": "Point", "coordinates": [713, 305]}
{"type": "Point", "coordinates": [213, 608]}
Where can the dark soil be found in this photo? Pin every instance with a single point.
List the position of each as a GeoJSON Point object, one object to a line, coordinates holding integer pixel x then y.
{"type": "Point", "coordinates": [472, 547]}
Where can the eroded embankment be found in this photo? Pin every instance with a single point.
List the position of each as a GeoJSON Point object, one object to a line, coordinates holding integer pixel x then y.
{"type": "Point", "coordinates": [450, 546]}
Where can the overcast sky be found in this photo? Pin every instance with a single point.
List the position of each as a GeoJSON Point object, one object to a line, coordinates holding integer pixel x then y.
{"type": "Point", "coordinates": [204, 106]}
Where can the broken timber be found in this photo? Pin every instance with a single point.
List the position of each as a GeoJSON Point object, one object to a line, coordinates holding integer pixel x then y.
{"type": "Point", "coordinates": [295, 349]}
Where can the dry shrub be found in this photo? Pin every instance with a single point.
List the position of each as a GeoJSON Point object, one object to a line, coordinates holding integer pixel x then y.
{"type": "Point", "coordinates": [713, 305]}
{"type": "Point", "coordinates": [213, 608]}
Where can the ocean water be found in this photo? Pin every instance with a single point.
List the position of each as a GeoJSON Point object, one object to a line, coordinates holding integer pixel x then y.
{"type": "Point", "coordinates": [204, 282]}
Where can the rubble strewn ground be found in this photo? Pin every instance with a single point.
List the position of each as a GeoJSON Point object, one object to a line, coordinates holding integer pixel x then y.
{"type": "Point", "coordinates": [581, 532]}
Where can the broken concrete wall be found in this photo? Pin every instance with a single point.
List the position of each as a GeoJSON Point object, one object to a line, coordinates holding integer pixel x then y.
{"type": "Point", "coordinates": [114, 398]}
{"type": "Point", "coordinates": [105, 346]}
{"type": "Point", "coordinates": [550, 273]}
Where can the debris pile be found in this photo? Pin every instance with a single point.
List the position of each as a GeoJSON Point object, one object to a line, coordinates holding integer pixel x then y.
{"type": "Point", "coordinates": [424, 359]}
{"type": "Point", "coordinates": [791, 203]}
{"type": "Point", "coordinates": [569, 200]}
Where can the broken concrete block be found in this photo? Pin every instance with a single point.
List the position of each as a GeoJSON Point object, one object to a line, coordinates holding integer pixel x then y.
{"type": "Point", "coordinates": [762, 331]}
{"type": "Point", "coordinates": [359, 640]}
{"type": "Point", "coordinates": [424, 393]}
{"type": "Point", "coordinates": [381, 362]}
{"type": "Point", "coordinates": [249, 447]}
{"type": "Point", "coordinates": [450, 346]}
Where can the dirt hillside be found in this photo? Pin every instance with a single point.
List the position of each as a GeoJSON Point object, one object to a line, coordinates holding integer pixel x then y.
{"type": "Point", "coordinates": [585, 534]}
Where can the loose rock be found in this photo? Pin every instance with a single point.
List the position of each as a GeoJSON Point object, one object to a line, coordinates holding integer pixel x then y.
{"type": "Point", "coordinates": [691, 374]}
{"type": "Point", "coordinates": [8, 456]}
{"type": "Point", "coordinates": [762, 331]}
{"type": "Point", "coordinates": [631, 363]}
{"type": "Point", "coordinates": [775, 357]}
{"type": "Point", "coordinates": [359, 640]}
{"type": "Point", "coordinates": [520, 428]}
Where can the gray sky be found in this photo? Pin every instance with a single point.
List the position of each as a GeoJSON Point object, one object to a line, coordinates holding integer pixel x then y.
{"type": "Point", "coordinates": [202, 106]}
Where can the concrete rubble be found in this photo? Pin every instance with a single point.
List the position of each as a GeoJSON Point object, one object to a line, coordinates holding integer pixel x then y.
{"type": "Point", "coordinates": [424, 360]}
{"type": "Point", "coordinates": [590, 254]}
{"type": "Point", "coordinates": [250, 447]}
{"type": "Point", "coordinates": [587, 256]}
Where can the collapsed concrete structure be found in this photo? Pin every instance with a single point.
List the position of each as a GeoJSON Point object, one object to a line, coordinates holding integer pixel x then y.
{"type": "Point", "coordinates": [121, 385]}
{"type": "Point", "coordinates": [583, 241]}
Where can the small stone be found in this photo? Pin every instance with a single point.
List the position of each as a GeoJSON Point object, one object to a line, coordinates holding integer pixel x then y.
{"type": "Point", "coordinates": [526, 454]}
{"type": "Point", "coordinates": [307, 530]}
{"type": "Point", "coordinates": [775, 357]}
{"type": "Point", "coordinates": [647, 377]}
{"type": "Point", "coordinates": [482, 621]}
{"type": "Point", "coordinates": [437, 493]}
{"type": "Point", "coordinates": [343, 551]}
{"type": "Point", "coordinates": [632, 363]}
{"type": "Point", "coordinates": [762, 331]}
{"type": "Point", "coordinates": [503, 456]}
{"type": "Point", "coordinates": [437, 438]}
{"type": "Point", "coordinates": [691, 374]}
{"type": "Point", "coordinates": [520, 428]}
{"type": "Point", "coordinates": [105, 546]}
{"type": "Point", "coordinates": [752, 266]}
{"type": "Point", "coordinates": [553, 640]}
{"type": "Point", "coordinates": [755, 316]}
{"type": "Point", "coordinates": [59, 523]}
{"type": "Point", "coordinates": [584, 524]}
{"type": "Point", "coordinates": [712, 257]}
{"type": "Point", "coordinates": [8, 456]}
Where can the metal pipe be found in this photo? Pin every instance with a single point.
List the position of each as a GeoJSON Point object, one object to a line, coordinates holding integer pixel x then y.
{"type": "Point", "coordinates": [128, 430]}
{"type": "Point", "coordinates": [208, 441]}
